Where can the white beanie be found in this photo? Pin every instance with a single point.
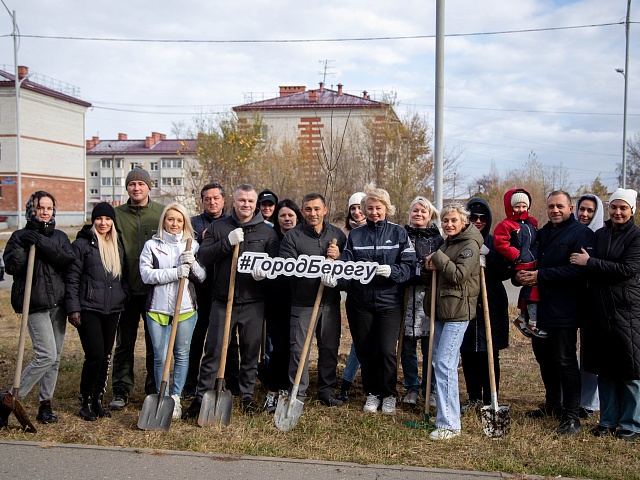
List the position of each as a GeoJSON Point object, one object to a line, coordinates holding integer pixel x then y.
{"type": "Point", "coordinates": [519, 197]}
{"type": "Point", "coordinates": [626, 194]}
{"type": "Point", "coordinates": [356, 198]}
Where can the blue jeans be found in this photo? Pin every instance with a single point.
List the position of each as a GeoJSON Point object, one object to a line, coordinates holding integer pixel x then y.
{"type": "Point", "coordinates": [160, 339]}
{"type": "Point", "coordinates": [409, 359]}
{"type": "Point", "coordinates": [447, 340]}
{"type": "Point", "coordinates": [46, 329]}
{"type": "Point", "coordinates": [619, 403]}
{"type": "Point", "coordinates": [589, 386]}
{"type": "Point", "coordinates": [352, 366]}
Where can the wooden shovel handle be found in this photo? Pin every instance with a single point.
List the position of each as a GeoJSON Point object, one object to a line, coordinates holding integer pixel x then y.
{"type": "Point", "coordinates": [25, 317]}
{"type": "Point", "coordinates": [487, 327]}
{"type": "Point", "coordinates": [227, 317]}
{"type": "Point", "coordinates": [174, 329]}
{"type": "Point", "coordinates": [432, 327]}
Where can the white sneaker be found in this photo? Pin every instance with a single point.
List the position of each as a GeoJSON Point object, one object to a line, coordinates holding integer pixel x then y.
{"type": "Point", "coordinates": [372, 404]}
{"type": "Point", "coordinates": [389, 405]}
{"type": "Point", "coordinates": [411, 398]}
{"type": "Point", "coordinates": [177, 407]}
{"type": "Point", "coordinates": [443, 434]}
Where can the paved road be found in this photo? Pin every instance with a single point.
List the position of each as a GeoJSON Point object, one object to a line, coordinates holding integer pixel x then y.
{"type": "Point", "coordinates": [31, 460]}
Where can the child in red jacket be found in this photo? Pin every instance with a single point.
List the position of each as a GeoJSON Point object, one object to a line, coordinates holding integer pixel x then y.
{"type": "Point", "coordinates": [515, 239]}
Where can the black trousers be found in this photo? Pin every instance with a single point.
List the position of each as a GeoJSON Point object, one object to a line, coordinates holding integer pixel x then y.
{"type": "Point", "coordinates": [203, 295]}
{"type": "Point", "coordinates": [122, 379]}
{"type": "Point", "coordinates": [475, 368]}
{"type": "Point", "coordinates": [375, 336]}
{"type": "Point", "coordinates": [97, 333]}
{"type": "Point", "coordinates": [278, 328]}
{"type": "Point", "coordinates": [558, 362]}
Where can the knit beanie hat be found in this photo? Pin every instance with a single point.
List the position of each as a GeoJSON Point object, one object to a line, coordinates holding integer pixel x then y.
{"type": "Point", "coordinates": [626, 194]}
{"type": "Point", "coordinates": [138, 174]}
{"type": "Point", "coordinates": [103, 209]}
{"type": "Point", "coordinates": [356, 198]}
{"type": "Point", "coordinates": [519, 197]}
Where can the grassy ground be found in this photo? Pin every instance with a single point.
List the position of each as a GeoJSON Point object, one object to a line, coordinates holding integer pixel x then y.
{"type": "Point", "coordinates": [340, 434]}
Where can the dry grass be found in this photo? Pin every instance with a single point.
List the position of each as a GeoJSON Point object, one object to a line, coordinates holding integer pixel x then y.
{"type": "Point", "coordinates": [343, 434]}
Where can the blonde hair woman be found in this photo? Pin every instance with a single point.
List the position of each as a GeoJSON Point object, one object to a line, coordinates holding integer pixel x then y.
{"type": "Point", "coordinates": [94, 298]}
{"type": "Point", "coordinates": [163, 262]}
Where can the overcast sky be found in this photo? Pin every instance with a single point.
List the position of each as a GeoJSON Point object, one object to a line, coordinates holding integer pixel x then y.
{"type": "Point", "coordinates": [552, 92]}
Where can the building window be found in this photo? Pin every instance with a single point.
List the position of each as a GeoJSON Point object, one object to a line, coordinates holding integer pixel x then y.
{"type": "Point", "coordinates": [93, 174]}
{"type": "Point", "coordinates": [171, 181]}
{"type": "Point", "coordinates": [264, 131]}
{"type": "Point", "coordinates": [171, 163]}
{"type": "Point", "coordinates": [105, 181]}
{"type": "Point", "coordinates": [153, 166]}
{"type": "Point", "coordinates": [154, 183]}
{"type": "Point", "coordinates": [105, 163]}
{"type": "Point", "coordinates": [93, 191]}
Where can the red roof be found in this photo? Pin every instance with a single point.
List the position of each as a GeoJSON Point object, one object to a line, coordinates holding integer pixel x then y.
{"type": "Point", "coordinates": [326, 98]}
{"type": "Point", "coordinates": [9, 82]}
{"type": "Point", "coordinates": [138, 147]}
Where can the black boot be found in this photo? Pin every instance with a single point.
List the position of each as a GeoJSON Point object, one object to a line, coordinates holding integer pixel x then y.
{"type": "Point", "coordinates": [5, 410]}
{"type": "Point", "coordinates": [97, 406]}
{"type": "Point", "coordinates": [45, 414]}
{"type": "Point", "coordinates": [86, 408]}
{"type": "Point", "coordinates": [344, 391]}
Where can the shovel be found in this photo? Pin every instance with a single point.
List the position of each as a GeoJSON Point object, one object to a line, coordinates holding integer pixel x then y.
{"type": "Point", "coordinates": [216, 404]}
{"type": "Point", "coordinates": [262, 365]}
{"type": "Point", "coordinates": [11, 399]}
{"type": "Point", "coordinates": [289, 408]}
{"type": "Point", "coordinates": [157, 409]}
{"type": "Point", "coordinates": [496, 420]}
{"type": "Point", "coordinates": [427, 398]}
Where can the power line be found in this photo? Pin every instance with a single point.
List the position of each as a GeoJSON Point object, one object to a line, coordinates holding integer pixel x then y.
{"type": "Point", "coordinates": [320, 40]}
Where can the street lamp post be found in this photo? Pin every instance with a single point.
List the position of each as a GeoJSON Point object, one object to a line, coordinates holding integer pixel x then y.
{"type": "Point", "coordinates": [625, 74]}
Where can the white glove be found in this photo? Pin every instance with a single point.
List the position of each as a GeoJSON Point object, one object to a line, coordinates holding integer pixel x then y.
{"type": "Point", "coordinates": [328, 280]}
{"type": "Point", "coordinates": [484, 250]}
{"type": "Point", "coordinates": [258, 273]}
{"type": "Point", "coordinates": [187, 258]}
{"type": "Point", "coordinates": [483, 261]}
{"type": "Point", "coordinates": [236, 236]}
{"type": "Point", "coordinates": [183, 270]}
{"type": "Point", "coordinates": [383, 270]}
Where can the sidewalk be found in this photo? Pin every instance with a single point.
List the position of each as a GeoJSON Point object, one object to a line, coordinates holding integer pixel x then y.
{"type": "Point", "coordinates": [32, 460]}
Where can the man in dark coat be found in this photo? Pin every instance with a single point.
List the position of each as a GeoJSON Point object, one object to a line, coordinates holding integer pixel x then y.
{"type": "Point", "coordinates": [560, 310]}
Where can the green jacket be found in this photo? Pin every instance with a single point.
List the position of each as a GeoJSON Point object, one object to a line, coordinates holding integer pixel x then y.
{"type": "Point", "coordinates": [136, 225]}
{"type": "Point", "coordinates": [458, 262]}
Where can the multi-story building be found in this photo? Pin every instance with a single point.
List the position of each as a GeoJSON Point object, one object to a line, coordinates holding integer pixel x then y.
{"type": "Point", "coordinates": [109, 162]}
{"type": "Point", "coordinates": [52, 147]}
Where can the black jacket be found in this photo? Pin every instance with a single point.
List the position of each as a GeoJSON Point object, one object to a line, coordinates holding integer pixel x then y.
{"type": "Point", "coordinates": [612, 331]}
{"type": "Point", "coordinates": [53, 256]}
{"type": "Point", "coordinates": [388, 244]}
{"type": "Point", "coordinates": [216, 252]}
{"type": "Point", "coordinates": [496, 272]}
{"type": "Point", "coordinates": [304, 240]}
{"type": "Point", "coordinates": [89, 286]}
{"type": "Point", "coordinates": [562, 285]}
{"type": "Point", "coordinates": [201, 222]}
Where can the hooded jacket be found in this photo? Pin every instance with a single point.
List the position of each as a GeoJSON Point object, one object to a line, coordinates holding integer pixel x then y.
{"type": "Point", "coordinates": [515, 236]}
{"type": "Point", "coordinates": [216, 251]}
{"type": "Point", "coordinates": [386, 243]}
{"type": "Point", "coordinates": [612, 331]}
{"type": "Point", "coordinates": [53, 255]}
{"type": "Point", "coordinates": [496, 271]}
{"type": "Point", "coordinates": [458, 265]}
{"type": "Point", "coordinates": [89, 286]}
{"type": "Point", "coordinates": [597, 222]}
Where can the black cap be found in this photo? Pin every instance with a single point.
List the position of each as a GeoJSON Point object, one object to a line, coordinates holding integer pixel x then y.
{"type": "Point", "coordinates": [267, 196]}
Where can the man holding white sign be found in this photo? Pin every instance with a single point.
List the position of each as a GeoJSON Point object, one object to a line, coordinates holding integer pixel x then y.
{"type": "Point", "coordinates": [313, 238]}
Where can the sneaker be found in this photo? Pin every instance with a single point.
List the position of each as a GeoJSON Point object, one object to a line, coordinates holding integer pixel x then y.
{"type": "Point", "coordinates": [372, 404]}
{"type": "Point", "coordinates": [544, 411]}
{"type": "Point", "coordinates": [411, 398]}
{"type": "Point", "coordinates": [331, 401]}
{"type": "Point", "coordinates": [536, 332]}
{"type": "Point", "coordinates": [389, 405]}
{"type": "Point", "coordinates": [271, 403]}
{"type": "Point", "coordinates": [177, 407]}
{"type": "Point", "coordinates": [45, 414]}
{"type": "Point", "coordinates": [249, 407]}
{"type": "Point", "coordinates": [523, 326]}
{"type": "Point", "coordinates": [569, 428]}
{"type": "Point", "coordinates": [119, 401]}
{"type": "Point", "coordinates": [472, 405]}
{"type": "Point", "coordinates": [600, 431]}
{"type": "Point", "coordinates": [193, 411]}
{"type": "Point", "coordinates": [443, 434]}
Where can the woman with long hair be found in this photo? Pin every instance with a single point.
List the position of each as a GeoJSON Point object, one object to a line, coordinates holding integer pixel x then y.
{"type": "Point", "coordinates": [95, 296]}
{"type": "Point", "coordinates": [163, 262]}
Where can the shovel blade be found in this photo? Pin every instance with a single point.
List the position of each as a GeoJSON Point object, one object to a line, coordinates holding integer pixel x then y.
{"type": "Point", "coordinates": [156, 413]}
{"type": "Point", "coordinates": [18, 410]}
{"type": "Point", "coordinates": [288, 412]}
{"type": "Point", "coordinates": [216, 408]}
{"type": "Point", "coordinates": [495, 423]}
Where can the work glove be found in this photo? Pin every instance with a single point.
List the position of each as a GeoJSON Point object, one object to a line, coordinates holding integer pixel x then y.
{"type": "Point", "coordinates": [74, 319]}
{"type": "Point", "coordinates": [30, 237]}
{"type": "Point", "coordinates": [187, 258]}
{"type": "Point", "coordinates": [236, 236]}
{"type": "Point", "coordinates": [328, 280]}
{"type": "Point", "coordinates": [383, 270]}
{"type": "Point", "coordinates": [183, 270]}
{"type": "Point", "coordinates": [258, 273]}
{"type": "Point", "coordinates": [484, 250]}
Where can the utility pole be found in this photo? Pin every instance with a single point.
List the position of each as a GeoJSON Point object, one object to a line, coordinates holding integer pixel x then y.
{"type": "Point", "coordinates": [438, 131]}
{"type": "Point", "coordinates": [625, 74]}
{"type": "Point", "coordinates": [18, 82]}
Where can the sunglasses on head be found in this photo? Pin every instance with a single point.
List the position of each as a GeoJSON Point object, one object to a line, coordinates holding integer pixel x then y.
{"type": "Point", "coordinates": [474, 217]}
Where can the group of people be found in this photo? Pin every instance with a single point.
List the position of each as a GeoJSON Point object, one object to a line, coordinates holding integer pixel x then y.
{"type": "Point", "coordinates": [111, 277]}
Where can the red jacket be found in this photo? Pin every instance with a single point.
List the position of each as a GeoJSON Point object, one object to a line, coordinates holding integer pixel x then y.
{"type": "Point", "coordinates": [515, 236]}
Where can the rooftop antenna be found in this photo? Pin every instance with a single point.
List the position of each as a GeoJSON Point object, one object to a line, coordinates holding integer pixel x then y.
{"type": "Point", "coordinates": [326, 69]}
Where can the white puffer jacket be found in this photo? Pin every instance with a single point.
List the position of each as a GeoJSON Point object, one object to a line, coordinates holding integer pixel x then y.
{"type": "Point", "coordinates": [159, 263]}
